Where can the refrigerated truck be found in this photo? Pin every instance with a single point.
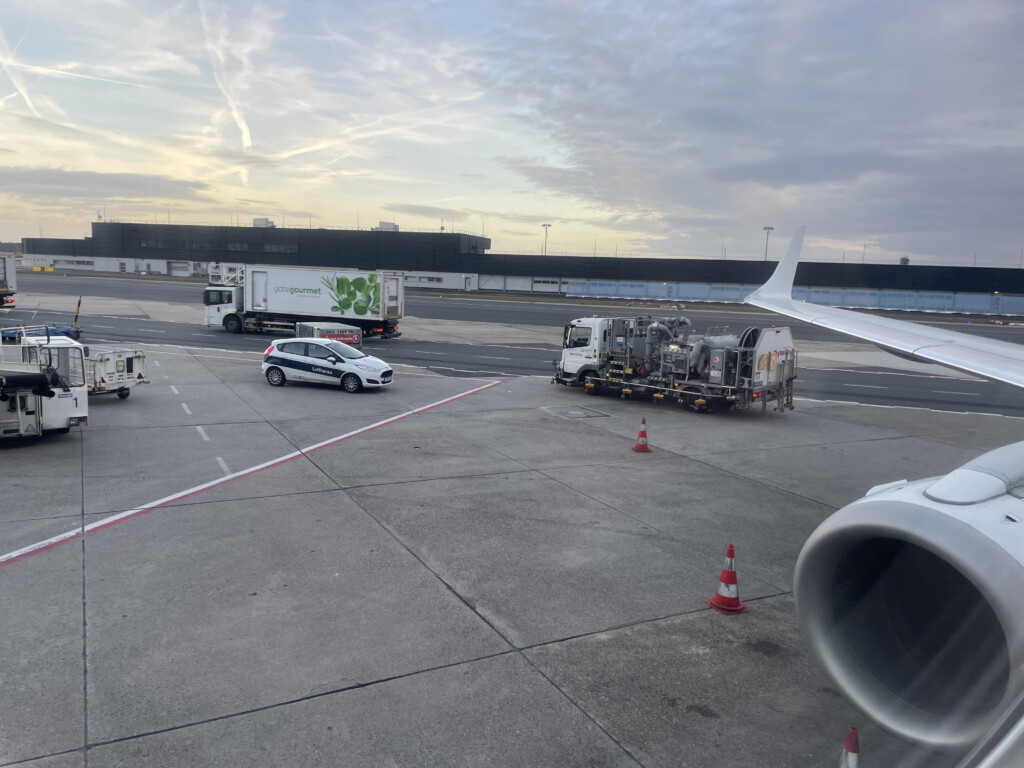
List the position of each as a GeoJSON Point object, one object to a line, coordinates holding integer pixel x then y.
{"type": "Point", "coordinates": [261, 298]}
{"type": "Point", "coordinates": [8, 279]}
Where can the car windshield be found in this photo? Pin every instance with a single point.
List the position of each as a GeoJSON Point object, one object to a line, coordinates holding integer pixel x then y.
{"type": "Point", "coordinates": [347, 352]}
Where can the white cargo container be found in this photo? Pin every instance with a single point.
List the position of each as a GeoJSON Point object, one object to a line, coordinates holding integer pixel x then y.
{"type": "Point", "coordinates": [259, 298]}
{"type": "Point", "coordinates": [346, 334]}
{"type": "Point", "coordinates": [8, 279]}
{"type": "Point", "coordinates": [115, 371]}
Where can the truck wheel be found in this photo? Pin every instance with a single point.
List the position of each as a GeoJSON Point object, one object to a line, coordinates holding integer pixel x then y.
{"type": "Point", "coordinates": [123, 393]}
{"type": "Point", "coordinates": [276, 377]}
{"type": "Point", "coordinates": [351, 383]}
{"type": "Point", "coordinates": [232, 324]}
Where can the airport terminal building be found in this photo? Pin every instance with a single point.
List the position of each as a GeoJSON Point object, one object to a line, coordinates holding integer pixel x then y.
{"type": "Point", "coordinates": [460, 261]}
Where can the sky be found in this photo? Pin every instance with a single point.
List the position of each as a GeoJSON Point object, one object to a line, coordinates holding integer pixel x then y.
{"type": "Point", "coordinates": [632, 128]}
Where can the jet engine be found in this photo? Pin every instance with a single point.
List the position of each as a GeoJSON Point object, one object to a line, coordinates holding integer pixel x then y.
{"type": "Point", "coordinates": [913, 599]}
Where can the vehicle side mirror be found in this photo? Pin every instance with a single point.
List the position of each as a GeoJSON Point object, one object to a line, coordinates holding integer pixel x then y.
{"type": "Point", "coordinates": [332, 360]}
{"type": "Point", "coordinates": [85, 351]}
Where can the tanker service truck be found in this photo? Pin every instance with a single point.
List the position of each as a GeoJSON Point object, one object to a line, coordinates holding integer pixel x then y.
{"type": "Point", "coordinates": [260, 298]}
{"type": "Point", "coordinates": [655, 358]}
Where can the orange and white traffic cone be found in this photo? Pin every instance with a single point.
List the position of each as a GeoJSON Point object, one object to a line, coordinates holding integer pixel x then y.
{"type": "Point", "coordinates": [641, 438]}
{"type": "Point", "coordinates": [851, 750]}
{"type": "Point", "coordinates": [727, 600]}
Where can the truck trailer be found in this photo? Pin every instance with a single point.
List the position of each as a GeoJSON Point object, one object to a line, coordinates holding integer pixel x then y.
{"type": "Point", "coordinates": [654, 357]}
{"type": "Point", "coordinates": [260, 298]}
{"type": "Point", "coordinates": [8, 279]}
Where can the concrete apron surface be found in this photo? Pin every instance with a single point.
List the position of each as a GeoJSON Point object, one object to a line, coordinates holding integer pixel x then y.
{"type": "Point", "coordinates": [444, 572]}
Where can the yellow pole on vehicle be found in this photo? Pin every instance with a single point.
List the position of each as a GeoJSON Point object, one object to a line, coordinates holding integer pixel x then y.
{"type": "Point", "coordinates": [74, 325]}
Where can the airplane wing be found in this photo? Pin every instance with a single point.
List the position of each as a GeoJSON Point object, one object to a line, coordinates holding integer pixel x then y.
{"type": "Point", "coordinates": [993, 359]}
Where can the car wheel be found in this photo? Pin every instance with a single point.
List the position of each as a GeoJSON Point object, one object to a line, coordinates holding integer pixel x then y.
{"type": "Point", "coordinates": [232, 324]}
{"type": "Point", "coordinates": [276, 377]}
{"type": "Point", "coordinates": [123, 393]}
{"type": "Point", "coordinates": [350, 383]}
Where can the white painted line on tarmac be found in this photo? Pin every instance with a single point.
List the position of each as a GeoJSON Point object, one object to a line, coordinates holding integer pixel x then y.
{"type": "Point", "coordinates": [418, 370]}
{"type": "Point", "coordinates": [870, 372]}
{"type": "Point", "coordinates": [223, 465]}
{"type": "Point", "coordinates": [202, 433]}
{"type": "Point", "coordinates": [421, 352]}
{"type": "Point", "coordinates": [553, 348]}
{"type": "Point", "coordinates": [950, 392]}
{"type": "Point", "coordinates": [203, 334]}
{"type": "Point", "coordinates": [150, 330]}
{"type": "Point", "coordinates": [53, 541]}
{"type": "Point", "coordinates": [485, 357]}
{"type": "Point", "coordinates": [864, 386]}
{"type": "Point", "coordinates": [901, 407]}
{"type": "Point", "coordinates": [186, 409]}
{"type": "Point", "coordinates": [174, 390]}
{"type": "Point", "coordinates": [156, 363]}
{"type": "Point", "coordinates": [111, 327]}
{"type": "Point", "coordinates": [468, 370]}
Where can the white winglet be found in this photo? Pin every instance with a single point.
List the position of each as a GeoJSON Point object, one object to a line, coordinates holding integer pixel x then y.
{"type": "Point", "coordinates": [780, 284]}
{"type": "Point", "coordinates": [991, 358]}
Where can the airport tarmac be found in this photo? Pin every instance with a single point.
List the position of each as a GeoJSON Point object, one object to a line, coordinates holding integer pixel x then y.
{"type": "Point", "coordinates": [447, 572]}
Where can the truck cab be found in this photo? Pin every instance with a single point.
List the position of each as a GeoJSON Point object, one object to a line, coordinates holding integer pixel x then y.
{"type": "Point", "coordinates": [584, 341]}
{"type": "Point", "coordinates": [221, 301]}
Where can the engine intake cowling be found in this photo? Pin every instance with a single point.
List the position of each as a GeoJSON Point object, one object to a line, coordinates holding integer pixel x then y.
{"type": "Point", "coordinates": [913, 598]}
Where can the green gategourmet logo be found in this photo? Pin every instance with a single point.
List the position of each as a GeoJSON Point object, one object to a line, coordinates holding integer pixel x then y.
{"type": "Point", "coordinates": [292, 291]}
{"type": "Point", "coordinates": [360, 295]}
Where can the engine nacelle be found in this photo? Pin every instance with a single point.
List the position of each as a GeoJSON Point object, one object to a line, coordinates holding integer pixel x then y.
{"type": "Point", "coordinates": [913, 598]}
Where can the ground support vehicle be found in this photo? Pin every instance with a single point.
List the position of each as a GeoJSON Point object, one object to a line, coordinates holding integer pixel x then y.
{"type": "Point", "coordinates": [653, 357]}
{"type": "Point", "coordinates": [269, 299]}
{"type": "Point", "coordinates": [324, 361]}
{"type": "Point", "coordinates": [14, 333]}
{"type": "Point", "coordinates": [346, 334]}
{"type": "Point", "coordinates": [42, 386]}
{"type": "Point", "coordinates": [115, 371]}
{"type": "Point", "coordinates": [8, 280]}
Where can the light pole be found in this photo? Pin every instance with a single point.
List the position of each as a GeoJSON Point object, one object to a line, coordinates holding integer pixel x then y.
{"type": "Point", "coordinates": [767, 232]}
{"type": "Point", "coordinates": [546, 228]}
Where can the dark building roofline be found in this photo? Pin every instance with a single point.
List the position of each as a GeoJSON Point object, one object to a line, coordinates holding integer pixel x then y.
{"type": "Point", "coordinates": [464, 253]}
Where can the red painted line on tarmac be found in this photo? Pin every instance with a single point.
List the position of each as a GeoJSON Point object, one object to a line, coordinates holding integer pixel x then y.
{"type": "Point", "coordinates": [107, 522]}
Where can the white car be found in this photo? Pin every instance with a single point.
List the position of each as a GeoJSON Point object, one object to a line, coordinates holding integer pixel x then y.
{"type": "Point", "coordinates": [323, 361]}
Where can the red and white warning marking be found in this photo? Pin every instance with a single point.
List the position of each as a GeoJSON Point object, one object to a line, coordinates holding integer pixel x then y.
{"type": "Point", "coordinates": [107, 522]}
{"type": "Point", "coordinates": [727, 599]}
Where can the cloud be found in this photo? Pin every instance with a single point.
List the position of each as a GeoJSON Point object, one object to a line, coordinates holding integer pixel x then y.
{"type": "Point", "coordinates": [671, 127]}
{"type": "Point", "coordinates": [740, 110]}
{"type": "Point", "coordinates": [58, 184]}
{"type": "Point", "coordinates": [9, 67]}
